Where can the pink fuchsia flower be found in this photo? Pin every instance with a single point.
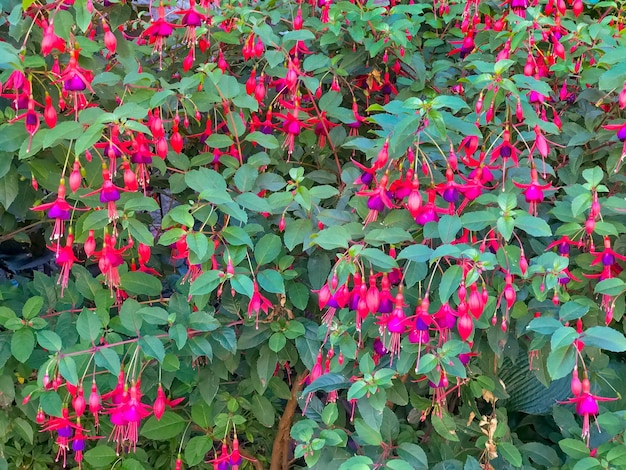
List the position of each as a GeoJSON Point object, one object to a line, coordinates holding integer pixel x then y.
{"type": "Point", "coordinates": [65, 258]}
{"type": "Point", "coordinates": [59, 210]}
{"type": "Point", "coordinates": [586, 406]}
{"type": "Point", "coordinates": [159, 30]}
{"type": "Point", "coordinates": [533, 192]}
{"type": "Point", "coordinates": [109, 260]}
{"type": "Point", "coordinates": [126, 417]}
{"type": "Point", "coordinates": [258, 303]}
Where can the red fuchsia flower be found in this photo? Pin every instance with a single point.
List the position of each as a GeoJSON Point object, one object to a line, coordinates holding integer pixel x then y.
{"type": "Point", "coordinates": [126, 417]}
{"type": "Point", "coordinates": [563, 245]}
{"type": "Point", "coordinates": [533, 192]}
{"type": "Point", "coordinates": [31, 120]}
{"type": "Point", "coordinates": [59, 210]}
{"type": "Point", "coordinates": [65, 258]}
{"type": "Point", "coordinates": [95, 403]}
{"type": "Point", "coordinates": [378, 199]}
{"type": "Point", "coordinates": [395, 324]}
{"type": "Point", "coordinates": [586, 405]}
{"type": "Point", "coordinates": [258, 303]}
{"type": "Point", "coordinates": [75, 78]}
{"type": "Point", "coordinates": [109, 260]}
{"type": "Point", "coordinates": [429, 212]}
{"type": "Point", "coordinates": [64, 428]}
{"type": "Point", "coordinates": [109, 193]}
{"type": "Point", "coordinates": [50, 40]}
{"type": "Point", "coordinates": [505, 151]}
{"type": "Point", "coordinates": [159, 30]}
{"type": "Point", "coordinates": [191, 19]}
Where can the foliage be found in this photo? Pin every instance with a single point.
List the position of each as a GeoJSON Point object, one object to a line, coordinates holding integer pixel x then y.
{"type": "Point", "coordinates": [327, 234]}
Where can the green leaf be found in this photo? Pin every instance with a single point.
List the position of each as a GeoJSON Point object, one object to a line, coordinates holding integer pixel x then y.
{"type": "Point", "coordinates": [561, 362]}
{"type": "Point", "coordinates": [263, 410]}
{"type": "Point", "coordinates": [359, 462]}
{"type": "Point", "coordinates": [417, 253]}
{"type": "Point", "coordinates": [574, 448]}
{"type": "Point", "coordinates": [332, 238]}
{"type": "Point", "coordinates": [277, 342]}
{"type": "Point", "coordinates": [67, 368]}
{"type": "Point", "coordinates": [267, 249]}
{"type": "Point", "coordinates": [505, 226]}
{"type": "Point", "coordinates": [201, 347]}
{"type": "Point", "coordinates": [206, 283]}
{"type": "Point", "coordinates": [533, 226]}
{"type": "Point", "coordinates": [140, 283]}
{"type": "Point", "coordinates": [22, 344]}
{"type": "Point", "coordinates": [9, 189]}
{"type": "Point", "coordinates": [426, 363]}
{"type": "Point", "coordinates": [154, 315]}
{"type": "Point", "coordinates": [327, 383]}
{"type": "Point", "coordinates": [414, 455]}
{"type": "Point", "coordinates": [237, 236]}
{"type": "Point", "coordinates": [170, 425]}
{"type": "Point", "coordinates": [378, 259]}
{"type": "Point", "coordinates": [264, 140]}
{"type": "Point", "coordinates": [253, 202]}
{"type": "Point", "coordinates": [88, 138]}
{"type": "Point", "coordinates": [450, 282]}
{"type": "Point", "coordinates": [32, 307]}
{"type": "Point", "coordinates": [448, 227]}
{"type": "Point", "coordinates": [198, 244]}
{"type": "Point", "coordinates": [100, 456]}
{"type": "Point", "coordinates": [196, 449]}
{"type": "Point", "coordinates": [544, 325]}
{"type": "Point", "coordinates": [140, 232]}
{"type": "Point", "coordinates": [296, 231]}
{"type": "Point", "coordinates": [613, 287]}
{"type": "Point", "coordinates": [108, 359]}
{"type": "Point", "coordinates": [604, 337]}
{"type": "Point", "coordinates": [367, 434]}
{"type": "Point", "coordinates": [445, 427]}
{"type": "Point", "coordinates": [614, 78]}
{"type": "Point", "coordinates": [271, 281]}
{"type": "Point", "coordinates": [152, 347]}
{"type": "Point", "coordinates": [245, 177]}
{"type": "Point", "coordinates": [572, 311]}
{"type": "Point", "coordinates": [202, 321]}
{"type": "Point", "coordinates": [62, 131]}
{"type": "Point", "coordinates": [49, 340]}
{"type": "Point", "coordinates": [510, 453]}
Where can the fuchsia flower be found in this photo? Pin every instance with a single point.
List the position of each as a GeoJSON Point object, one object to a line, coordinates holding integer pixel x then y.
{"type": "Point", "coordinates": [126, 414]}
{"type": "Point", "coordinates": [65, 258]}
{"type": "Point", "coordinates": [586, 402]}
{"type": "Point", "coordinates": [258, 303]}
{"type": "Point", "coordinates": [59, 210]}
{"type": "Point", "coordinates": [533, 192]}
{"type": "Point", "coordinates": [159, 30]}
{"type": "Point", "coordinates": [110, 259]}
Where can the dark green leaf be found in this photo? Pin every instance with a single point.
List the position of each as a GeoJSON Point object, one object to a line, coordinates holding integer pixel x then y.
{"type": "Point", "coordinates": [561, 361]}
{"type": "Point", "coordinates": [152, 347]}
{"type": "Point", "coordinates": [89, 326]}
{"type": "Point", "coordinates": [510, 453]}
{"type": "Point", "coordinates": [263, 410]}
{"type": "Point", "coordinates": [67, 368]}
{"type": "Point", "coordinates": [22, 344]}
{"type": "Point", "coordinates": [448, 227]}
{"type": "Point", "coordinates": [450, 282]}
{"type": "Point", "coordinates": [267, 249]}
{"type": "Point", "coordinates": [100, 456]}
{"type": "Point", "coordinates": [49, 340]}
{"type": "Point", "coordinates": [170, 425]}
{"type": "Point", "coordinates": [604, 337]}
{"type": "Point", "coordinates": [140, 283]}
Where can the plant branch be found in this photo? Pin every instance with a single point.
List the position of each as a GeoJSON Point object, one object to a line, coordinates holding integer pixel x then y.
{"type": "Point", "coordinates": [280, 449]}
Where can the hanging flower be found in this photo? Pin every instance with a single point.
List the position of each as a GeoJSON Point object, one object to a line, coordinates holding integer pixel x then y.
{"type": "Point", "coordinates": [59, 210]}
